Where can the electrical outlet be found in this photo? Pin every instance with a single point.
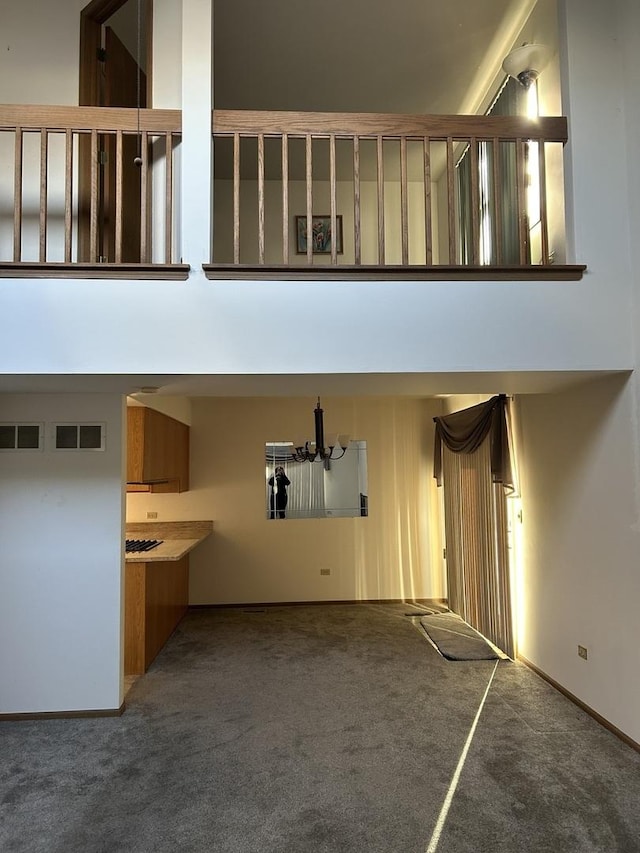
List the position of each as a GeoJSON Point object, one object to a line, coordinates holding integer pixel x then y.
{"type": "Point", "coordinates": [325, 571]}
{"type": "Point", "coordinates": [582, 652]}
{"type": "Point", "coordinates": [152, 515]}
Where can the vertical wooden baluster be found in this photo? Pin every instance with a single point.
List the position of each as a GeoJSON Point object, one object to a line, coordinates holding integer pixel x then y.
{"type": "Point", "coordinates": [285, 198]}
{"type": "Point", "coordinates": [404, 202]}
{"type": "Point", "coordinates": [145, 243]}
{"type": "Point", "coordinates": [357, 235]}
{"type": "Point", "coordinates": [380, 178]}
{"type": "Point", "coordinates": [451, 202]}
{"type": "Point", "coordinates": [335, 236]}
{"type": "Point", "coordinates": [119, 211]}
{"type": "Point", "coordinates": [522, 201]}
{"type": "Point", "coordinates": [44, 168]}
{"type": "Point", "coordinates": [309, 180]}
{"type": "Point", "coordinates": [544, 222]}
{"type": "Point", "coordinates": [93, 223]}
{"type": "Point", "coordinates": [68, 194]}
{"type": "Point", "coordinates": [497, 201]}
{"type": "Point", "coordinates": [428, 238]}
{"type": "Point", "coordinates": [17, 197]}
{"type": "Point", "coordinates": [475, 202]}
{"type": "Point", "coordinates": [261, 198]}
{"type": "Point", "coordinates": [168, 199]}
{"type": "Point", "coordinates": [236, 198]}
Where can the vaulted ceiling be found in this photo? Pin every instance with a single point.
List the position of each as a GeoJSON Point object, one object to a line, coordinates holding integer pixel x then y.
{"type": "Point", "coordinates": [414, 56]}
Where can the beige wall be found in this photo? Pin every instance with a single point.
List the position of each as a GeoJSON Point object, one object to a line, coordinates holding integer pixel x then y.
{"type": "Point", "coordinates": [223, 220]}
{"type": "Point", "coordinates": [579, 578]}
{"type": "Point", "coordinates": [394, 553]}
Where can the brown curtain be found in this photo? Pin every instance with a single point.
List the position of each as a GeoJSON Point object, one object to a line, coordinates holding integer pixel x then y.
{"type": "Point", "coordinates": [474, 467]}
{"type": "Point", "coordinates": [464, 432]}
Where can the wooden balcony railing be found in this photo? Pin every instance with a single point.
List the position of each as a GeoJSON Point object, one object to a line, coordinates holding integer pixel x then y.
{"type": "Point", "coordinates": [390, 188]}
{"type": "Point", "coordinates": [91, 189]}
{"type": "Point", "coordinates": [91, 192]}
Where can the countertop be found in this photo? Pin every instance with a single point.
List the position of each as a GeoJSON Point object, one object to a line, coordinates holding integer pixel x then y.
{"type": "Point", "coordinates": [178, 538]}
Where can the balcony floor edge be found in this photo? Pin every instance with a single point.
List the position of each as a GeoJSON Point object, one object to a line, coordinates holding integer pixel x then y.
{"type": "Point", "coordinates": [157, 272]}
{"type": "Point", "coordinates": [440, 272]}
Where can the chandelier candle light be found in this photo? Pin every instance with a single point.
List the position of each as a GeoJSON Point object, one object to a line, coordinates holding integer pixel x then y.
{"type": "Point", "coordinates": [310, 451]}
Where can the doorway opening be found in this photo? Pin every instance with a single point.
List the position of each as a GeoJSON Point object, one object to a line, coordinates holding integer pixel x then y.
{"type": "Point", "coordinates": [115, 71]}
{"type": "Point", "coordinates": [476, 467]}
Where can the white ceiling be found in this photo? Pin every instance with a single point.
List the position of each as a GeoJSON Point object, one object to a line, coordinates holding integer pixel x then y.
{"type": "Point", "coordinates": [413, 56]}
{"type": "Point", "coordinates": [307, 385]}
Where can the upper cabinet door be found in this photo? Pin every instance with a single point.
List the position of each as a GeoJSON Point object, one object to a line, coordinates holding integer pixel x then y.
{"type": "Point", "coordinates": [157, 452]}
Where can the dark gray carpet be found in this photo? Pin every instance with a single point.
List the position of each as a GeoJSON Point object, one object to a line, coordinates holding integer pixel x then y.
{"type": "Point", "coordinates": [326, 729]}
{"type": "Point", "coordinates": [455, 639]}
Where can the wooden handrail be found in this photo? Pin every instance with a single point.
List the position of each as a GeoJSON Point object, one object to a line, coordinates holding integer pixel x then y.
{"type": "Point", "coordinates": [389, 125]}
{"type": "Point", "coordinates": [102, 119]}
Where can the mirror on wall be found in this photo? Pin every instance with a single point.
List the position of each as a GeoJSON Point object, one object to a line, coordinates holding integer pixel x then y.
{"type": "Point", "coordinates": [336, 488]}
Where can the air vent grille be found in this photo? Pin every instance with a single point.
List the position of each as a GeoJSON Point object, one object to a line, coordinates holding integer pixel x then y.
{"type": "Point", "coordinates": [84, 436]}
{"type": "Point", "coordinates": [26, 436]}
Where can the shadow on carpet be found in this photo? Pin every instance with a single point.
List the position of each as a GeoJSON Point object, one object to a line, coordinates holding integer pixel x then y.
{"type": "Point", "coordinates": [455, 640]}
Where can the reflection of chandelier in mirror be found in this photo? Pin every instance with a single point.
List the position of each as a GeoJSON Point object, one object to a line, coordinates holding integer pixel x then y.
{"type": "Point", "coordinates": [310, 451]}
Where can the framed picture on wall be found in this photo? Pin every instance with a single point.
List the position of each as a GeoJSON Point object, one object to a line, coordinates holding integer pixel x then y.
{"type": "Point", "coordinates": [321, 235]}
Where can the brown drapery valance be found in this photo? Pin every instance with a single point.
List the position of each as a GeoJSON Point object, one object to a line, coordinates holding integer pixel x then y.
{"type": "Point", "coordinates": [464, 432]}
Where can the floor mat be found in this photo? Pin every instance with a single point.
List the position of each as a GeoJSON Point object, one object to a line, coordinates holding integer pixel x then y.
{"type": "Point", "coordinates": [455, 640]}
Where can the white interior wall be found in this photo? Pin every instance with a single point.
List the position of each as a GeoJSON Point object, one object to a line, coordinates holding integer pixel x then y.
{"type": "Point", "coordinates": [579, 582]}
{"type": "Point", "coordinates": [39, 60]}
{"type": "Point", "coordinates": [167, 56]}
{"type": "Point", "coordinates": [61, 561]}
{"type": "Point", "coordinates": [222, 327]}
{"type": "Point", "coordinates": [579, 460]}
{"type": "Point", "coordinates": [207, 327]}
{"type": "Point", "coordinates": [196, 147]}
{"type": "Point", "coordinates": [395, 552]}
{"type": "Point", "coordinates": [630, 27]}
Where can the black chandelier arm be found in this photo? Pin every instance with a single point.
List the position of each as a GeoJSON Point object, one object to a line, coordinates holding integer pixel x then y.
{"type": "Point", "coordinates": [331, 456]}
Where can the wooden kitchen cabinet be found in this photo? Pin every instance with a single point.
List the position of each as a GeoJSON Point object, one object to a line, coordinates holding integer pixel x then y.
{"type": "Point", "coordinates": [156, 598]}
{"type": "Point", "coordinates": [157, 452]}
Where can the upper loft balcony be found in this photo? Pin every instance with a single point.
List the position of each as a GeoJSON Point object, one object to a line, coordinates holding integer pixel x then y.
{"type": "Point", "coordinates": [320, 159]}
{"type": "Point", "coordinates": [93, 192]}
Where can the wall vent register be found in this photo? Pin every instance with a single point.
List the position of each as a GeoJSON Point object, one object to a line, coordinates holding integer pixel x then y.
{"type": "Point", "coordinates": [133, 546]}
{"type": "Point", "coordinates": [20, 436]}
{"type": "Point", "coordinates": [85, 436]}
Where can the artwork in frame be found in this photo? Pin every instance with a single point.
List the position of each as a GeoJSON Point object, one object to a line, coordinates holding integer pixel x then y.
{"type": "Point", "coordinates": [321, 235]}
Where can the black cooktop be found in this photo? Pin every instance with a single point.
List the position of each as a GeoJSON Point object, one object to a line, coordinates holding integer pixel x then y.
{"type": "Point", "coordinates": [135, 545]}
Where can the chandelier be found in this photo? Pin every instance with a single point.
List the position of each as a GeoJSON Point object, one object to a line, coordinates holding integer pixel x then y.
{"type": "Point", "coordinates": [312, 451]}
